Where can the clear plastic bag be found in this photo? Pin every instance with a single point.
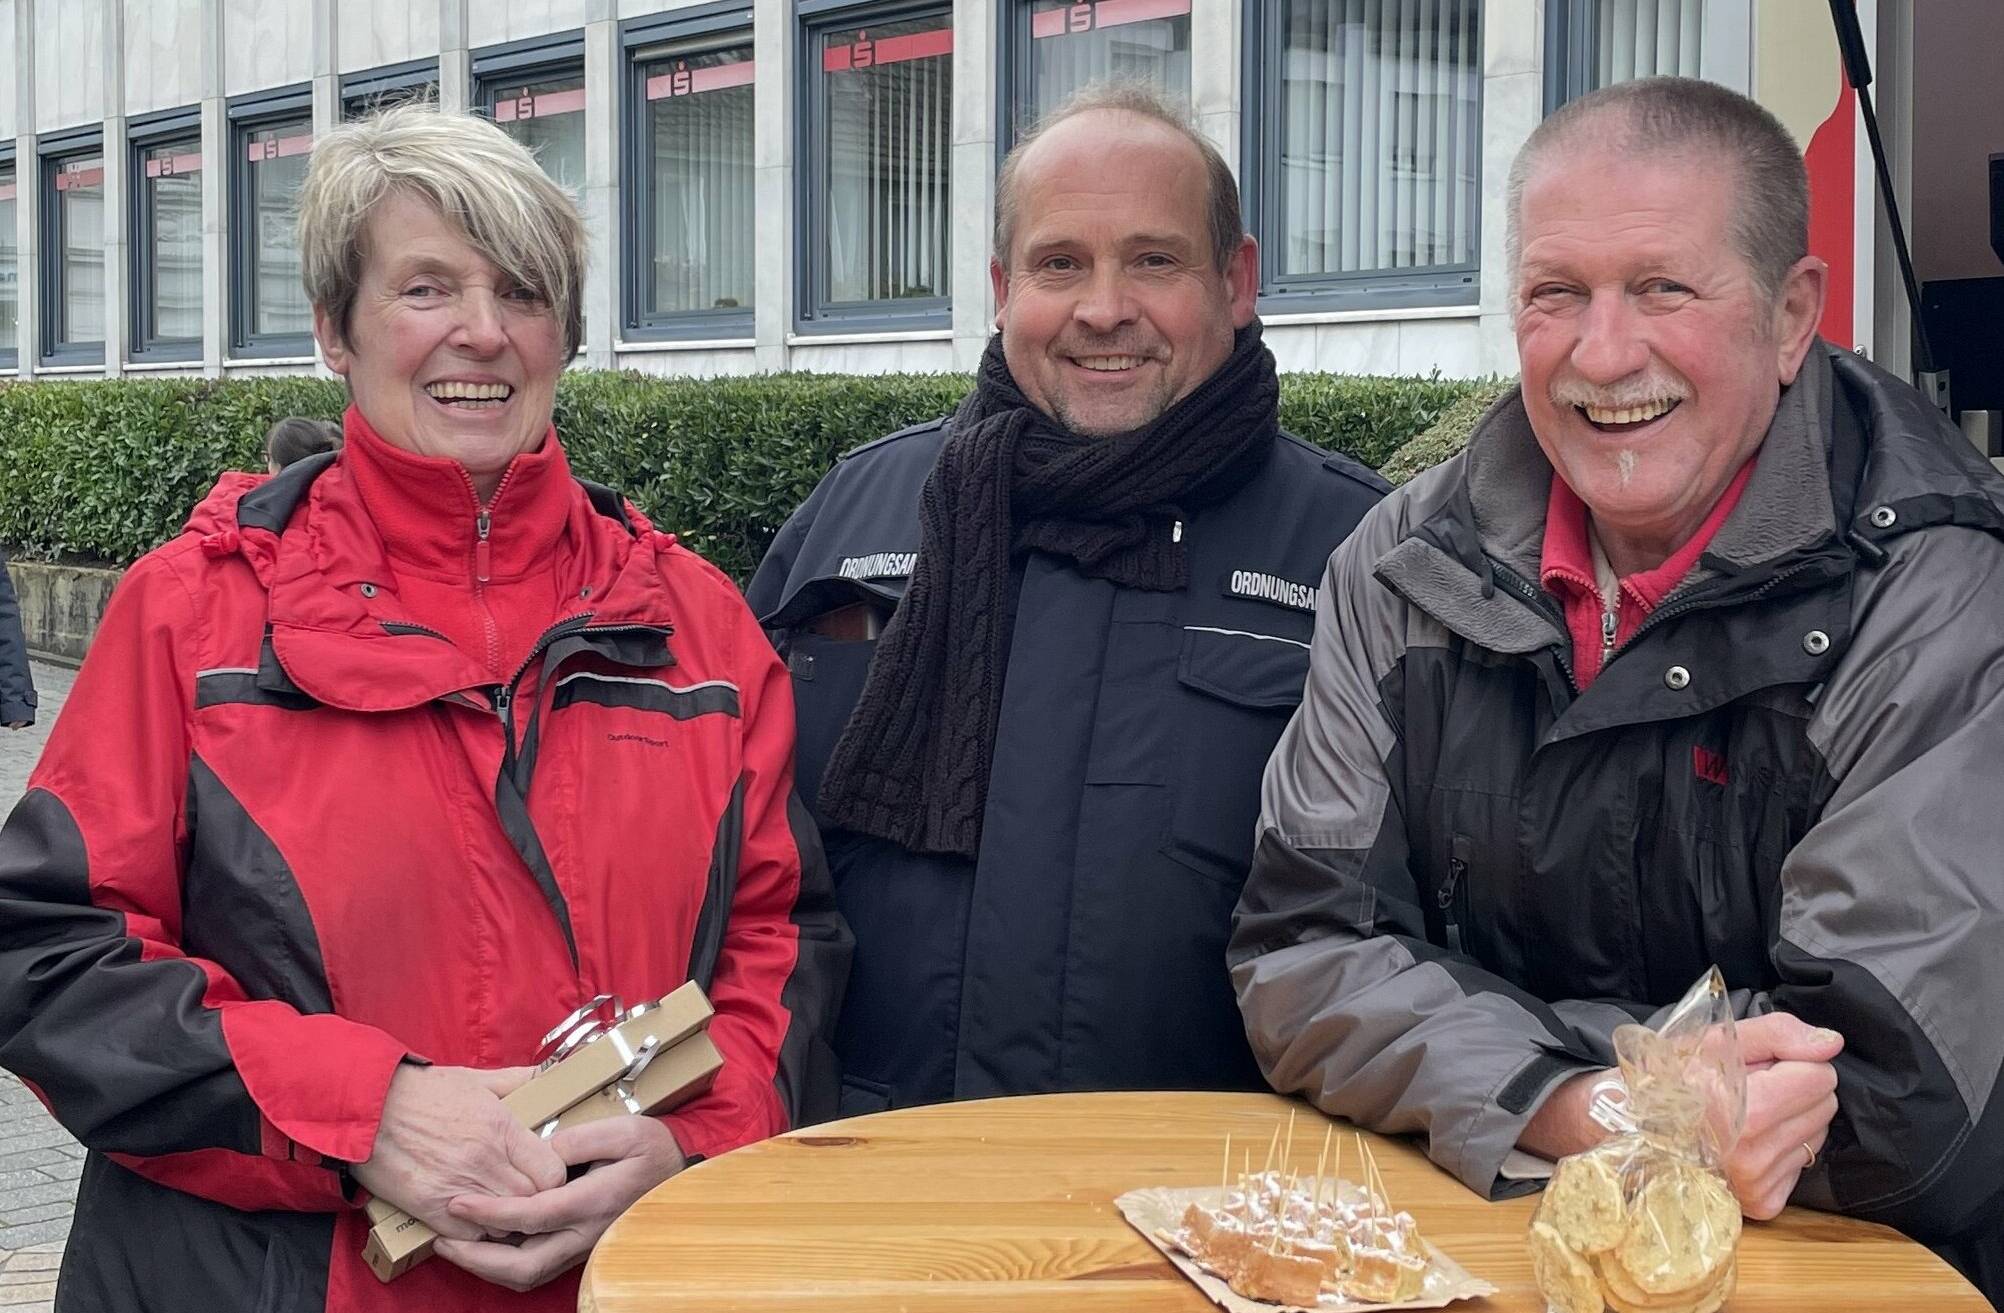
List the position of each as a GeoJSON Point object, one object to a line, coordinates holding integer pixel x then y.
{"type": "Point", "coordinates": [1645, 1222]}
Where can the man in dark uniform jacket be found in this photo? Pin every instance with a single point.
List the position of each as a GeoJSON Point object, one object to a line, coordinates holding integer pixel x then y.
{"type": "Point", "coordinates": [1042, 648]}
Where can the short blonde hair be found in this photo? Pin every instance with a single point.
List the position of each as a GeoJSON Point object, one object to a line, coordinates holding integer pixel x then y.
{"type": "Point", "coordinates": [476, 176]}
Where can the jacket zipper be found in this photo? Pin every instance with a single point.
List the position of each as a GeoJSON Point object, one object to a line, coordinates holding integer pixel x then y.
{"type": "Point", "coordinates": [1543, 606]}
{"type": "Point", "coordinates": [503, 695]}
{"type": "Point", "coordinates": [1606, 637]}
{"type": "Point", "coordinates": [483, 557]}
{"type": "Point", "coordinates": [1448, 899]}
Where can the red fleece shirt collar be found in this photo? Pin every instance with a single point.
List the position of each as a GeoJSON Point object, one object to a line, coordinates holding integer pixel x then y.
{"type": "Point", "coordinates": [426, 511]}
{"type": "Point", "coordinates": [1567, 571]}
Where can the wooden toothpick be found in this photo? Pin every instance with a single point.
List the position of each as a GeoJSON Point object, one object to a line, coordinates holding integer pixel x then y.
{"type": "Point", "coordinates": [1322, 1162]}
{"type": "Point", "coordinates": [1271, 1145]}
{"type": "Point", "coordinates": [1287, 1154]}
{"type": "Point", "coordinates": [1225, 1172]}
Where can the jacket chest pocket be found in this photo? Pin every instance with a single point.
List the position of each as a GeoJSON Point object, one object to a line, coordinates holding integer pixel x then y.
{"type": "Point", "coordinates": [1235, 692]}
{"type": "Point", "coordinates": [828, 676]}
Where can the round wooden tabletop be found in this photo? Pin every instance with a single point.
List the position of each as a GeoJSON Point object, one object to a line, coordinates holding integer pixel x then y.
{"type": "Point", "coordinates": [1007, 1204]}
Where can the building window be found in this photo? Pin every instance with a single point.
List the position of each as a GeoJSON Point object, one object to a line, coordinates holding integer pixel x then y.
{"type": "Point", "coordinates": [536, 92]}
{"type": "Point", "coordinates": [876, 130]}
{"type": "Point", "coordinates": [10, 268]}
{"type": "Point", "coordinates": [166, 187]}
{"type": "Point", "coordinates": [1363, 176]}
{"type": "Point", "coordinates": [692, 269]}
{"type": "Point", "coordinates": [385, 88]}
{"type": "Point", "coordinates": [271, 140]}
{"type": "Point", "coordinates": [1595, 43]}
{"type": "Point", "coordinates": [73, 262]}
{"type": "Point", "coordinates": [1058, 47]}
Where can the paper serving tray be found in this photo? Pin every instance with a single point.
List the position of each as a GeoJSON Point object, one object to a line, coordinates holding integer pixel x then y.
{"type": "Point", "coordinates": [1157, 1213]}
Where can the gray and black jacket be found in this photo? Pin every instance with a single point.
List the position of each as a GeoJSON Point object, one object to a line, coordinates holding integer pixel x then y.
{"type": "Point", "coordinates": [1468, 873]}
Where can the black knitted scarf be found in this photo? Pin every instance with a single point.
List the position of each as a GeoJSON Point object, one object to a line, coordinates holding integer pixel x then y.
{"type": "Point", "coordinates": [912, 763]}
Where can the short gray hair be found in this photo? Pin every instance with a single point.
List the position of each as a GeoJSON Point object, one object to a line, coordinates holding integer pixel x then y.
{"type": "Point", "coordinates": [1227, 225]}
{"type": "Point", "coordinates": [1676, 115]}
{"type": "Point", "coordinates": [476, 176]}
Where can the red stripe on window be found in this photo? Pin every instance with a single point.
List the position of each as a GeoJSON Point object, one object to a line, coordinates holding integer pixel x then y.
{"type": "Point", "coordinates": [682, 81]}
{"type": "Point", "coordinates": [278, 148]}
{"type": "Point", "coordinates": [865, 53]}
{"type": "Point", "coordinates": [174, 165]}
{"type": "Point", "coordinates": [78, 179]}
{"type": "Point", "coordinates": [1086, 17]}
{"type": "Point", "coordinates": [540, 107]}
{"type": "Point", "coordinates": [1113, 13]}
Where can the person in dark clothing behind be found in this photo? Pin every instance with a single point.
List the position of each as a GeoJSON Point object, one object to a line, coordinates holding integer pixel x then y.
{"type": "Point", "coordinates": [1041, 648]}
{"type": "Point", "coordinates": [17, 681]}
{"type": "Point", "coordinates": [295, 438]}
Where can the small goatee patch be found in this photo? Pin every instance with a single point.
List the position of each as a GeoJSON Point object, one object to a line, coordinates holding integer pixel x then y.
{"type": "Point", "coordinates": [1624, 461]}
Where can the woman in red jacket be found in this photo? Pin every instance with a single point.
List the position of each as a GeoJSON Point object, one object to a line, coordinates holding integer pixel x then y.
{"type": "Point", "coordinates": [384, 766]}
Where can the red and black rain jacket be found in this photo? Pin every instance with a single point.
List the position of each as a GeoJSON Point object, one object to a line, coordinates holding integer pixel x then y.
{"type": "Point", "coordinates": [286, 834]}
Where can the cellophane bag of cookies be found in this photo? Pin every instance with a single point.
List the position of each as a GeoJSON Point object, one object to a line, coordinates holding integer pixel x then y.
{"type": "Point", "coordinates": [1645, 1222]}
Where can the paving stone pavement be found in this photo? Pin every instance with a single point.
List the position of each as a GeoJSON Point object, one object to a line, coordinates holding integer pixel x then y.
{"type": "Point", "coordinates": [39, 1162]}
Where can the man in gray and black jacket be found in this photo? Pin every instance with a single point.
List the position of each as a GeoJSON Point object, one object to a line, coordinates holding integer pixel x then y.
{"type": "Point", "coordinates": [1694, 656]}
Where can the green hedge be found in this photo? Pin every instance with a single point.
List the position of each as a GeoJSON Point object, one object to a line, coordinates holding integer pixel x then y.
{"type": "Point", "coordinates": [107, 470]}
{"type": "Point", "coordinates": [1447, 435]}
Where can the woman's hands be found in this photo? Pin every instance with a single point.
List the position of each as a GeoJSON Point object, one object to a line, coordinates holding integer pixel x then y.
{"type": "Point", "coordinates": [560, 1225]}
{"type": "Point", "coordinates": [444, 1134]}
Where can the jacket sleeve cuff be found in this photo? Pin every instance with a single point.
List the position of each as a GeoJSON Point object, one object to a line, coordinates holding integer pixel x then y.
{"type": "Point", "coordinates": [320, 1081]}
{"type": "Point", "coordinates": [1479, 1162]}
{"type": "Point", "coordinates": [12, 713]}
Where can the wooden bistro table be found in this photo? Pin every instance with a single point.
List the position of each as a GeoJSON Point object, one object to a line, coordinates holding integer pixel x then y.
{"type": "Point", "coordinates": [1007, 1204]}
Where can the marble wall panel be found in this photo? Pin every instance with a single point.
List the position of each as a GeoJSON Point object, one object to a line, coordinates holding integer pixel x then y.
{"type": "Point", "coordinates": [163, 54]}
{"type": "Point", "coordinates": [69, 65]}
{"type": "Point", "coordinates": [266, 43]}
{"type": "Point", "coordinates": [372, 33]}
{"type": "Point", "coordinates": [872, 357]}
{"type": "Point", "coordinates": [731, 363]}
{"type": "Point", "coordinates": [8, 93]}
{"type": "Point", "coordinates": [490, 22]}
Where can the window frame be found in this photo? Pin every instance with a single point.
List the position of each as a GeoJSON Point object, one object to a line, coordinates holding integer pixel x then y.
{"type": "Point", "coordinates": [812, 316]}
{"type": "Point", "coordinates": [534, 59]}
{"type": "Point", "coordinates": [52, 151]}
{"type": "Point", "coordinates": [10, 357]}
{"type": "Point", "coordinates": [245, 116]}
{"type": "Point", "coordinates": [1259, 190]}
{"type": "Point", "coordinates": [358, 89]}
{"type": "Point", "coordinates": [1572, 36]}
{"type": "Point", "coordinates": [1016, 44]}
{"type": "Point", "coordinates": [711, 24]}
{"type": "Point", "coordinates": [144, 134]}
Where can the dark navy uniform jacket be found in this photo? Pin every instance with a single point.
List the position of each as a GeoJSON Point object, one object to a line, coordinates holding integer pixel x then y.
{"type": "Point", "coordinates": [1084, 948]}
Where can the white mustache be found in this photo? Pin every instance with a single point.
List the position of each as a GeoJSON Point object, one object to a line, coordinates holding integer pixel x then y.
{"type": "Point", "coordinates": [1643, 391]}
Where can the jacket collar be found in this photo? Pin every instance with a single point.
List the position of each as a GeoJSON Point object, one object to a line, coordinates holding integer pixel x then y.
{"type": "Point", "coordinates": [430, 520]}
{"type": "Point", "coordinates": [337, 633]}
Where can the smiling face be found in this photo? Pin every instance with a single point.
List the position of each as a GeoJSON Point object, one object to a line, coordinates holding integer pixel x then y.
{"type": "Point", "coordinates": [1652, 357]}
{"type": "Point", "coordinates": [445, 354]}
{"type": "Point", "coordinates": [1112, 307]}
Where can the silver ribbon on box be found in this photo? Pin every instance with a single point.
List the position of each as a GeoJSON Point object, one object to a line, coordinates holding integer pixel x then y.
{"type": "Point", "coordinates": [594, 1022]}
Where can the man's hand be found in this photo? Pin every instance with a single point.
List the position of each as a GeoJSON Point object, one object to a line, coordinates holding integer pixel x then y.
{"type": "Point", "coordinates": [634, 1154]}
{"type": "Point", "coordinates": [1791, 1097]}
{"type": "Point", "coordinates": [444, 1134]}
{"type": "Point", "coordinates": [19, 724]}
